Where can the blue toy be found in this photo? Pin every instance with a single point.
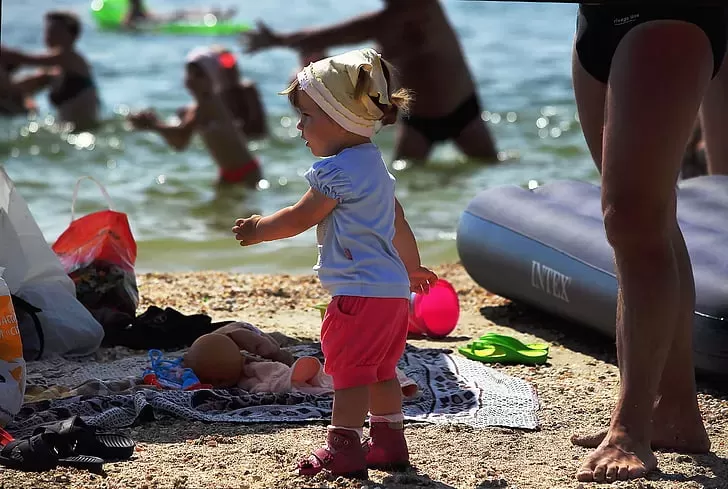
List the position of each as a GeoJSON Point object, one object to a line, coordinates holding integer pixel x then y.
{"type": "Point", "coordinates": [170, 374]}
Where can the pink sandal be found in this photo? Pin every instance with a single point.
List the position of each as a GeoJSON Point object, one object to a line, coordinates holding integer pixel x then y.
{"type": "Point", "coordinates": [387, 447]}
{"type": "Point", "coordinates": [343, 456]}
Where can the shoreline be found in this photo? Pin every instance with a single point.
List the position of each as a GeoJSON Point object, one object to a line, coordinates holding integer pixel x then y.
{"type": "Point", "coordinates": [576, 389]}
{"type": "Point", "coordinates": [226, 255]}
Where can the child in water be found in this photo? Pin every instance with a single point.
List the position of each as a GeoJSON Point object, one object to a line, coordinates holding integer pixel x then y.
{"type": "Point", "coordinates": [215, 115]}
{"type": "Point", "coordinates": [242, 96]}
{"type": "Point", "coordinates": [368, 257]}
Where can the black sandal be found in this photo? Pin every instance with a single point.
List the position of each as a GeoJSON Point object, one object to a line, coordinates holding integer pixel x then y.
{"type": "Point", "coordinates": [83, 439]}
{"type": "Point", "coordinates": [43, 452]}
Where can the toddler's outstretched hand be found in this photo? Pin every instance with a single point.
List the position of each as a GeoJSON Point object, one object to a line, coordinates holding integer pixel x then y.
{"type": "Point", "coordinates": [421, 279]}
{"type": "Point", "coordinates": [245, 230]}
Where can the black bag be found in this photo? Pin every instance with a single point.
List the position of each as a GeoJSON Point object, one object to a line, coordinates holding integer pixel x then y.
{"type": "Point", "coordinates": [31, 331]}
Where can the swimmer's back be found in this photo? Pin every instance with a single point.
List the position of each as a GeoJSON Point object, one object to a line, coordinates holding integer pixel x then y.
{"type": "Point", "coordinates": [423, 46]}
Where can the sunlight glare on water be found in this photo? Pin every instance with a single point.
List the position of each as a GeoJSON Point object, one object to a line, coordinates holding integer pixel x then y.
{"type": "Point", "coordinates": [519, 53]}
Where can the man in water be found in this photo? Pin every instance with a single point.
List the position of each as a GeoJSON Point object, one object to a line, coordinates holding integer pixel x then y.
{"type": "Point", "coordinates": [417, 38]}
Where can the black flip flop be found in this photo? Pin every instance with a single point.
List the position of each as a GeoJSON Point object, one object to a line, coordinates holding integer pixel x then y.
{"type": "Point", "coordinates": [40, 453]}
{"type": "Point", "coordinates": [83, 439]}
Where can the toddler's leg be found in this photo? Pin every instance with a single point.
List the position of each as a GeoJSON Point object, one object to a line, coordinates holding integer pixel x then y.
{"type": "Point", "coordinates": [385, 398]}
{"type": "Point", "coordinates": [343, 454]}
{"type": "Point", "coordinates": [350, 408]}
{"type": "Point", "coordinates": [387, 448]}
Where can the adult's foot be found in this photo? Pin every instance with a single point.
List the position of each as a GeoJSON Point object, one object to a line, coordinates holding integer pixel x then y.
{"type": "Point", "coordinates": [676, 429]}
{"type": "Point", "coordinates": [617, 457]}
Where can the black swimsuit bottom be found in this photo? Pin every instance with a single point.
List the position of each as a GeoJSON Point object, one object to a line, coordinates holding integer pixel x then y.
{"type": "Point", "coordinates": [600, 29]}
{"type": "Point", "coordinates": [450, 126]}
{"type": "Point", "coordinates": [71, 85]}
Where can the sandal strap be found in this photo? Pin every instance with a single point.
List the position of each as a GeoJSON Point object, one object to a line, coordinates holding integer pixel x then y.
{"type": "Point", "coordinates": [72, 426]}
{"type": "Point", "coordinates": [35, 453]}
{"type": "Point", "coordinates": [323, 456]}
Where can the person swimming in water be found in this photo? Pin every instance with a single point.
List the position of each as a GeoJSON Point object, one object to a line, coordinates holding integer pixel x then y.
{"type": "Point", "coordinates": [212, 116]}
{"type": "Point", "coordinates": [64, 70]}
{"type": "Point", "coordinates": [416, 37]}
{"type": "Point", "coordinates": [137, 15]}
{"type": "Point", "coordinates": [242, 96]}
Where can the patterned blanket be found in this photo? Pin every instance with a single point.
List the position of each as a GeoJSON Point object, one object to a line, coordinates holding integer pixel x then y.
{"type": "Point", "coordinates": [453, 389]}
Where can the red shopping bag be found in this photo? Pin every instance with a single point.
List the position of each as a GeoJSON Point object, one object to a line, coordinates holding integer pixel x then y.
{"type": "Point", "coordinates": [98, 251]}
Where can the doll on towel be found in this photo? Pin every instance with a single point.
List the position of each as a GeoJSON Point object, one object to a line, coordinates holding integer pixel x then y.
{"type": "Point", "coordinates": [240, 355]}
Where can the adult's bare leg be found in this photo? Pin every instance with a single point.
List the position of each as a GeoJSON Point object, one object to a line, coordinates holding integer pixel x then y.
{"type": "Point", "coordinates": [659, 74]}
{"type": "Point", "coordinates": [410, 144]}
{"type": "Point", "coordinates": [694, 158]}
{"type": "Point", "coordinates": [714, 120]}
{"type": "Point", "coordinates": [671, 430]}
{"type": "Point", "coordinates": [591, 97]}
{"type": "Point", "coordinates": [676, 421]}
{"type": "Point", "coordinates": [476, 141]}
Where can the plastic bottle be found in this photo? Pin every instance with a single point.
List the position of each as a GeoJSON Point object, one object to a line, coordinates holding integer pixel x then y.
{"type": "Point", "coordinates": [12, 364]}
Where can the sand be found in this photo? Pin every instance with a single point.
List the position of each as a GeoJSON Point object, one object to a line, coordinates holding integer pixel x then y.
{"type": "Point", "coordinates": [577, 389]}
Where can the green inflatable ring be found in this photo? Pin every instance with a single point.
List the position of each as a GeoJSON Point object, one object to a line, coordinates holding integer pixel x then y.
{"type": "Point", "coordinates": [109, 14]}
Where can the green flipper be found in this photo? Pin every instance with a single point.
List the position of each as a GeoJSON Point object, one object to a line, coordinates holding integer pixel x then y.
{"type": "Point", "coordinates": [492, 353]}
{"type": "Point", "coordinates": [509, 341]}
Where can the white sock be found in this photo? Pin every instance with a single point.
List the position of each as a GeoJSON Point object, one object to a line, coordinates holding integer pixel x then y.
{"type": "Point", "coordinates": [358, 431]}
{"type": "Point", "coordinates": [387, 418]}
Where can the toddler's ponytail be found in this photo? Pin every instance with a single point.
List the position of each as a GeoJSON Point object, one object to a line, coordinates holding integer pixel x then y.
{"type": "Point", "coordinates": [400, 98]}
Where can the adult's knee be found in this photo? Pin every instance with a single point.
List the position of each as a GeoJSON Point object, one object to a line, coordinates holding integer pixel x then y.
{"type": "Point", "coordinates": [637, 223]}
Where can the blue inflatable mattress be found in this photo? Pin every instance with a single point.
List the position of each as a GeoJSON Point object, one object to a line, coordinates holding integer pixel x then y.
{"type": "Point", "coordinates": [547, 248]}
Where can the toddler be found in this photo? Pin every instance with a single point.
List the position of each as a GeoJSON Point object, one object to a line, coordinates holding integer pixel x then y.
{"type": "Point", "coordinates": [368, 257]}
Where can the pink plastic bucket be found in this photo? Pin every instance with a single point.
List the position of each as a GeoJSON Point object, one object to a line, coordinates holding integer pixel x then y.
{"type": "Point", "coordinates": [435, 314]}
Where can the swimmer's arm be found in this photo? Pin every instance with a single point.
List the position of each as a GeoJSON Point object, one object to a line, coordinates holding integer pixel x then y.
{"type": "Point", "coordinates": [291, 221]}
{"type": "Point", "coordinates": [34, 83]}
{"type": "Point", "coordinates": [358, 29]}
{"type": "Point", "coordinates": [54, 58]}
{"type": "Point", "coordinates": [179, 136]}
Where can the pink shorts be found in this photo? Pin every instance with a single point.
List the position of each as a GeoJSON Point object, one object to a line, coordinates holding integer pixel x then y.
{"type": "Point", "coordinates": [363, 338]}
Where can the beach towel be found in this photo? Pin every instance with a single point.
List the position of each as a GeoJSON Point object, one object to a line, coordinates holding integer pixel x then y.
{"type": "Point", "coordinates": [453, 390]}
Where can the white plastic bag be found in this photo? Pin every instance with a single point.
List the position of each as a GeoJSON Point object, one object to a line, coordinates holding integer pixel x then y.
{"type": "Point", "coordinates": [35, 274]}
{"type": "Point", "coordinates": [12, 364]}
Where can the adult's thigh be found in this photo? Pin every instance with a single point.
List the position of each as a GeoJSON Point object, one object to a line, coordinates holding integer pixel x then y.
{"type": "Point", "coordinates": [659, 74]}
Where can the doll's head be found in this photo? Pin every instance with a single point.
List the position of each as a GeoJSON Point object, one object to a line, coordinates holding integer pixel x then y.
{"type": "Point", "coordinates": [216, 360]}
